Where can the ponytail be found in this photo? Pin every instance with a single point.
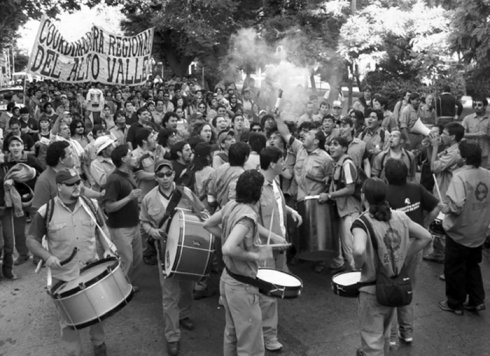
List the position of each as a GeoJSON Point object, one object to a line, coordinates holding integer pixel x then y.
{"type": "Point", "coordinates": [381, 211]}
{"type": "Point", "coordinates": [374, 190]}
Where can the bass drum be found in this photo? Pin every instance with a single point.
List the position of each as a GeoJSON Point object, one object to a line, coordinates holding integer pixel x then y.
{"type": "Point", "coordinates": [101, 290]}
{"type": "Point", "coordinates": [319, 234]}
{"type": "Point", "coordinates": [189, 247]}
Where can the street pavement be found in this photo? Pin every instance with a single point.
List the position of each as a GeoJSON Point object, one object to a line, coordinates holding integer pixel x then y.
{"type": "Point", "coordinates": [317, 323]}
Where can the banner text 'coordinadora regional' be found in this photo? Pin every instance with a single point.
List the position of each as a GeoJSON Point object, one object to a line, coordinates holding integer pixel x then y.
{"type": "Point", "coordinates": [98, 56]}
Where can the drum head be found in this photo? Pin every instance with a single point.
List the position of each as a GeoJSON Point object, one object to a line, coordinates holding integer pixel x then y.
{"type": "Point", "coordinates": [176, 229]}
{"type": "Point", "coordinates": [347, 279]}
{"type": "Point", "coordinates": [88, 275]}
{"type": "Point", "coordinates": [278, 277]}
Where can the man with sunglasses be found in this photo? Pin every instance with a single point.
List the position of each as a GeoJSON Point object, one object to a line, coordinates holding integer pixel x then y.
{"type": "Point", "coordinates": [154, 217]}
{"type": "Point", "coordinates": [71, 225]}
{"type": "Point", "coordinates": [477, 128]}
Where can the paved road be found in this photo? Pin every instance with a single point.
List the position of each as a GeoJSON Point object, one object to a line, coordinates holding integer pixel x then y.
{"type": "Point", "coordinates": [317, 323]}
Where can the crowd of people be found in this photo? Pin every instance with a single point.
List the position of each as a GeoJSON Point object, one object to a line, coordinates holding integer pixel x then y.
{"type": "Point", "coordinates": [247, 168]}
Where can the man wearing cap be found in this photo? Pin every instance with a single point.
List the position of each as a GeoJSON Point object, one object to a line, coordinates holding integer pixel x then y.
{"type": "Point", "coordinates": [72, 225]}
{"type": "Point", "coordinates": [102, 166]}
{"type": "Point", "coordinates": [64, 106]}
{"type": "Point", "coordinates": [154, 217]}
{"type": "Point", "coordinates": [121, 205]}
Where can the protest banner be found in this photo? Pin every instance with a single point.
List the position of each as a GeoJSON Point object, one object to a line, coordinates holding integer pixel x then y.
{"type": "Point", "coordinates": [98, 56]}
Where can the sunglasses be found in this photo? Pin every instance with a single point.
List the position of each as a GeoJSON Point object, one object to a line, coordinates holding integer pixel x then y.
{"type": "Point", "coordinates": [337, 107]}
{"type": "Point", "coordinates": [163, 174]}
{"type": "Point", "coordinates": [78, 182]}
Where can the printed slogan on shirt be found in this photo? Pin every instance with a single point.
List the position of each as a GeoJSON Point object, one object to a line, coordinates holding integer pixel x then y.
{"type": "Point", "coordinates": [99, 56]}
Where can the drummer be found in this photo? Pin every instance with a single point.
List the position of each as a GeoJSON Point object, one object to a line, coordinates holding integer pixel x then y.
{"type": "Point", "coordinates": [156, 209]}
{"type": "Point", "coordinates": [313, 168]}
{"type": "Point", "coordinates": [65, 229]}
{"type": "Point", "coordinates": [273, 213]}
{"type": "Point", "coordinates": [237, 224]}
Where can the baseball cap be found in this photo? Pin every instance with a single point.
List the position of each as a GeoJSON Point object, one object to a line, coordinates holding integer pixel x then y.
{"type": "Point", "coordinates": [102, 142]}
{"type": "Point", "coordinates": [336, 104]}
{"type": "Point", "coordinates": [67, 176]}
{"type": "Point", "coordinates": [224, 134]}
{"type": "Point", "coordinates": [161, 163]}
{"type": "Point", "coordinates": [63, 96]}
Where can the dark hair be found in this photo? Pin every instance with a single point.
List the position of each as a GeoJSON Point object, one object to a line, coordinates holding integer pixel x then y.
{"type": "Point", "coordinates": [140, 136]}
{"type": "Point", "coordinates": [378, 113]}
{"type": "Point", "coordinates": [257, 141]}
{"type": "Point", "coordinates": [44, 106]}
{"type": "Point", "coordinates": [249, 187]}
{"type": "Point", "coordinates": [342, 141]}
{"type": "Point", "coordinates": [320, 136]}
{"type": "Point", "coordinates": [265, 118]}
{"type": "Point", "coordinates": [97, 127]}
{"type": "Point", "coordinates": [471, 152]}
{"type": "Point", "coordinates": [456, 129]}
{"type": "Point", "coordinates": [382, 100]}
{"type": "Point", "coordinates": [141, 110]}
{"type": "Point", "coordinates": [255, 123]}
{"type": "Point", "coordinates": [14, 122]}
{"type": "Point", "coordinates": [163, 136]}
{"type": "Point", "coordinates": [215, 120]}
{"type": "Point", "coordinates": [396, 172]}
{"type": "Point", "coordinates": [73, 127]}
{"type": "Point", "coordinates": [474, 98]}
{"type": "Point", "coordinates": [446, 88]}
{"type": "Point", "coordinates": [414, 96]}
{"type": "Point", "coordinates": [55, 152]}
{"type": "Point", "coordinates": [328, 117]}
{"type": "Point", "coordinates": [201, 159]}
{"type": "Point", "coordinates": [347, 120]}
{"type": "Point", "coordinates": [24, 110]}
{"type": "Point", "coordinates": [374, 190]}
{"type": "Point", "coordinates": [177, 147]}
{"type": "Point", "coordinates": [269, 155]}
{"type": "Point", "coordinates": [168, 115]}
{"type": "Point", "coordinates": [238, 154]}
{"type": "Point", "coordinates": [118, 154]}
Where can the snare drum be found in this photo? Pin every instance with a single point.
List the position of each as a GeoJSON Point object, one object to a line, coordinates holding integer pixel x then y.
{"type": "Point", "coordinates": [435, 227]}
{"type": "Point", "coordinates": [279, 284]}
{"type": "Point", "coordinates": [319, 233]}
{"type": "Point", "coordinates": [101, 290]}
{"type": "Point", "coordinates": [347, 284]}
{"type": "Point", "coordinates": [189, 247]}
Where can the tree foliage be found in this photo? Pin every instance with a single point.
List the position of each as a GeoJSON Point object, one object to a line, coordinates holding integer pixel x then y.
{"type": "Point", "coordinates": [15, 13]}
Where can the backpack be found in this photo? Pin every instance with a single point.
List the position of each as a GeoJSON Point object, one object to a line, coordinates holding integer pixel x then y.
{"type": "Point", "coordinates": [50, 210]}
{"type": "Point", "coordinates": [361, 177]}
{"type": "Point", "coordinates": [393, 291]}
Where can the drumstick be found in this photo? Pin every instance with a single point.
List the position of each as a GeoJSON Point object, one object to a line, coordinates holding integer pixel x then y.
{"type": "Point", "coordinates": [280, 245]}
{"type": "Point", "coordinates": [270, 227]}
{"type": "Point", "coordinates": [437, 187]}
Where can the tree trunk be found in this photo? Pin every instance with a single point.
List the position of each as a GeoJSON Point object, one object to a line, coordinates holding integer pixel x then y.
{"type": "Point", "coordinates": [178, 63]}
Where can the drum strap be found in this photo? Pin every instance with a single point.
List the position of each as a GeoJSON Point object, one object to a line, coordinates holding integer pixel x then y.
{"type": "Point", "coordinates": [264, 287]}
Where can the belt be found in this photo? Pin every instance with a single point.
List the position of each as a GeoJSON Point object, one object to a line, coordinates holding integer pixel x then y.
{"type": "Point", "coordinates": [263, 287]}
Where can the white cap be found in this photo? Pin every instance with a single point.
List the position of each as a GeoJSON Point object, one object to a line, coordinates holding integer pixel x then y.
{"type": "Point", "coordinates": [337, 103]}
{"type": "Point", "coordinates": [102, 142]}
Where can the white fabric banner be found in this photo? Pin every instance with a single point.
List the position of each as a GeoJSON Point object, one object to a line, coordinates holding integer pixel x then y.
{"type": "Point", "coordinates": [99, 56]}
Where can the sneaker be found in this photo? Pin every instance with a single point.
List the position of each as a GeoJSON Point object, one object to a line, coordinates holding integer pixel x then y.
{"type": "Point", "coordinates": [474, 308]}
{"type": "Point", "coordinates": [407, 339]}
{"type": "Point", "coordinates": [273, 346]}
{"type": "Point", "coordinates": [100, 350]}
{"type": "Point", "coordinates": [173, 348]}
{"type": "Point", "coordinates": [444, 306]}
{"type": "Point", "coordinates": [12, 276]}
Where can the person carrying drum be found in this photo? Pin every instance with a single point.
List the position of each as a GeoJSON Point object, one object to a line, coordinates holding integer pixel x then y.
{"type": "Point", "coordinates": [71, 225]}
{"type": "Point", "coordinates": [312, 170]}
{"type": "Point", "coordinates": [156, 209]}
{"type": "Point", "coordinates": [398, 239]}
{"type": "Point", "coordinates": [273, 213]}
{"type": "Point", "coordinates": [243, 253]}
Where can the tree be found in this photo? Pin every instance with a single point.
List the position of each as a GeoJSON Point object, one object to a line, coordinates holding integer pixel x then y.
{"type": "Point", "coordinates": [21, 61]}
{"type": "Point", "coordinates": [406, 43]}
{"type": "Point", "coordinates": [185, 30]}
{"type": "Point", "coordinates": [470, 38]}
{"type": "Point", "coordinates": [16, 13]}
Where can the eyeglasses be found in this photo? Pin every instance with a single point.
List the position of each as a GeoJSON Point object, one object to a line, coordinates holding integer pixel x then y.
{"type": "Point", "coordinates": [337, 107]}
{"type": "Point", "coordinates": [479, 105]}
{"type": "Point", "coordinates": [163, 174]}
{"type": "Point", "coordinates": [256, 130]}
{"type": "Point", "coordinates": [78, 182]}
{"type": "Point", "coordinates": [79, 127]}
